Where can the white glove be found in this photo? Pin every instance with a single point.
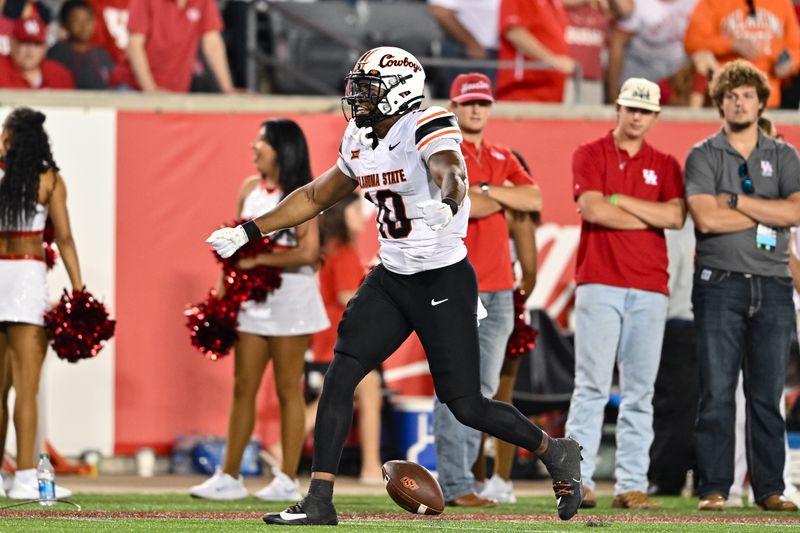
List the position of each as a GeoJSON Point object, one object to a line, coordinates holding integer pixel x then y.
{"type": "Point", "coordinates": [436, 214]}
{"type": "Point", "coordinates": [361, 135]}
{"type": "Point", "coordinates": [226, 241]}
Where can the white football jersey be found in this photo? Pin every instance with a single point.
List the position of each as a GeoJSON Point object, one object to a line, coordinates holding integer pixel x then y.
{"type": "Point", "coordinates": [394, 176]}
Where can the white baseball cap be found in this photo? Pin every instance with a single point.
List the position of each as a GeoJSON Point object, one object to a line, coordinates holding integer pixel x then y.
{"type": "Point", "coordinates": [640, 93]}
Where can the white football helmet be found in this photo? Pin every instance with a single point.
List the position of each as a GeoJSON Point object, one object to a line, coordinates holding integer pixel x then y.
{"type": "Point", "coordinates": [388, 77]}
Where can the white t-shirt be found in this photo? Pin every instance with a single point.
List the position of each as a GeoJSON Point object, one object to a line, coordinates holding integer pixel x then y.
{"type": "Point", "coordinates": [394, 176]}
{"type": "Point", "coordinates": [656, 49]}
{"type": "Point", "coordinates": [480, 17]}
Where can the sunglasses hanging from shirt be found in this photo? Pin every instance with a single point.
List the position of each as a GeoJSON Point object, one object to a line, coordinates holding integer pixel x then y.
{"type": "Point", "coordinates": [746, 182]}
{"type": "Point", "coordinates": [766, 237]}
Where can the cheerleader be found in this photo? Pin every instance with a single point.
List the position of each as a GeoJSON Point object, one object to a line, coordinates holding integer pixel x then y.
{"type": "Point", "coordinates": [30, 190]}
{"type": "Point", "coordinates": [278, 330]}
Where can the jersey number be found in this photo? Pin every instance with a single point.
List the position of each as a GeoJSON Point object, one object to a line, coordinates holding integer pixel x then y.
{"type": "Point", "coordinates": [392, 218]}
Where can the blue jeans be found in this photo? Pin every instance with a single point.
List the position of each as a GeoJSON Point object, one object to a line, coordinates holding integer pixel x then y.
{"type": "Point", "coordinates": [626, 327]}
{"type": "Point", "coordinates": [743, 323]}
{"type": "Point", "coordinates": [457, 445]}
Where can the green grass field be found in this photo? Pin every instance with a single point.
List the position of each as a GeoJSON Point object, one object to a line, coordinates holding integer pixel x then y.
{"type": "Point", "coordinates": [179, 513]}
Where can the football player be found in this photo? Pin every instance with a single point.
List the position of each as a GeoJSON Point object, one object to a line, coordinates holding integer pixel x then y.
{"type": "Point", "coordinates": [408, 163]}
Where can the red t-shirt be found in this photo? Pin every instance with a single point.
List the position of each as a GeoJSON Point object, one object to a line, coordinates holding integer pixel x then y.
{"type": "Point", "coordinates": [54, 76]}
{"type": "Point", "coordinates": [342, 271]}
{"type": "Point", "coordinates": [586, 37]}
{"type": "Point", "coordinates": [173, 35]}
{"type": "Point", "coordinates": [487, 237]}
{"type": "Point", "coordinates": [624, 258]}
{"type": "Point", "coordinates": [111, 27]}
{"type": "Point", "coordinates": [547, 21]}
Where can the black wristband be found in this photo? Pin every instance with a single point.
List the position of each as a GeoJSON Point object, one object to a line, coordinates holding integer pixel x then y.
{"type": "Point", "coordinates": [251, 229]}
{"type": "Point", "coordinates": [452, 204]}
{"type": "Point", "coordinates": [733, 200]}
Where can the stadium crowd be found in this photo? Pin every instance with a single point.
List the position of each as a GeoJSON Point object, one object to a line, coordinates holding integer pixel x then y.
{"type": "Point", "coordinates": [732, 315]}
{"type": "Point", "coordinates": [200, 46]}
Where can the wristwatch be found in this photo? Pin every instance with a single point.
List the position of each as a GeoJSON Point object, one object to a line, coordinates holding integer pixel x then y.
{"type": "Point", "coordinates": [733, 200]}
{"type": "Point", "coordinates": [484, 187]}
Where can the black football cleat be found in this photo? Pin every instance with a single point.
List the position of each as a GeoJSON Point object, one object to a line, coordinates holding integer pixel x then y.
{"type": "Point", "coordinates": [564, 465]}
{"type": "Point", "coordinates": [310, 511]}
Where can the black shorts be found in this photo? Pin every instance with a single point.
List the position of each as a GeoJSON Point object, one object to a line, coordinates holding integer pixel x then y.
{"type": "Point", "coordinates": [439, 305]}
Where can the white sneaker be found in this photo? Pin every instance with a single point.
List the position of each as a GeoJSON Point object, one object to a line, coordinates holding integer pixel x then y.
{"type": "Point", "coordinates": [282, 488]}
{"type": "Point", "coordinates": [220, 486]}
{"type": "Point", "coordinates": [26, 487]}
{"type": "Point", "coordinates": [734, 501]}
{"type": "Point", "coordinates": [8, 480]}
{"type": "Point", "coordinates": [792, 495]}
{"type": "Point", "coordinates": [499, 490]}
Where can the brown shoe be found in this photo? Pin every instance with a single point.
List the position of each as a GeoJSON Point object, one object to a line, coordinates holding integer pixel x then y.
{"type": "Point", "coordinates": [711, 502]}
{"type": "Point", "coordinates": [634, 500]}
{"type": "Point", "coordinates": [589, 499]}
{"type": "Point", "coordinates": [471, 500]}
{"type": "Point", "coordinates": [776, 502]}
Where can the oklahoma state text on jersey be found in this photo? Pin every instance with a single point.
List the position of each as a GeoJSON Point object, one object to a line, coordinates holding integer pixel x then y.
{"type": "Point", "coordinates": [394, 176]}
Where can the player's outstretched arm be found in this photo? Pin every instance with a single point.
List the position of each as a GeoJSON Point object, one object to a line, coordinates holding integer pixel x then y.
{"type": "Point", "coordinates": [307, 202]}
{"type": "Point", "coordinates": [303, 204]}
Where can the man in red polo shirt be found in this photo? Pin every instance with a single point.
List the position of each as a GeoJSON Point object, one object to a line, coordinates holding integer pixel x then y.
{"type": "Point", "coordinates": [499, 183]}
{"type": "Point", "coordinates": [26, 67]}
{"type": "Point", "coordinates": [163, 41]}
{"type": "Point", "coordinates": [627, 193]}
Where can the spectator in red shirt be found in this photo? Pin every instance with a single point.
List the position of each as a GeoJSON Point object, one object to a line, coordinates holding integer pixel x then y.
{"type": "Point", "coordinates": [13, 10]}
{"type": "Point", "coordinates": [111, 28]}
{"type": "Point", "coordinates": [26, 67]}
{"type": "Point", "coordinates": [500, 183]}
{"type": "Point", "coordinates": [627, 193]}
{"type": "Point", "coordinates": [164, 37]}
{"type": "Point", "coordinates": [533, 31]}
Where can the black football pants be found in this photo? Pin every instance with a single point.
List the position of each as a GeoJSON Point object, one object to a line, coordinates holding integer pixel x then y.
{"type": "Point", "coordinates": [441, 307]}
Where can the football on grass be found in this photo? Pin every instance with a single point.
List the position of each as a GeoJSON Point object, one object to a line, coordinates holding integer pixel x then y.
{"type": "Point", "coordinates": [413, 488]}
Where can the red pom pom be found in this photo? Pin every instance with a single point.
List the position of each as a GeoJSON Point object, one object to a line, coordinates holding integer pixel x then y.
{"type": "Point", "coordinates": [212, 325]}
{"type": "Point", "coordinates": [78, 326]}
{"type": "Point", "coordinates": [523, 338]}
{"type": "Point", "coordinates": [50, 253]}
{"type": "Point", "coordinates": [251, 284]}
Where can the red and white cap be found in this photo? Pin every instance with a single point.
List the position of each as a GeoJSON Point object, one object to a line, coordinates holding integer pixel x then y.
{"type": "Point", "coordinates": [30, 30]}
{"type": "Point", "coordinates": [470, 87]}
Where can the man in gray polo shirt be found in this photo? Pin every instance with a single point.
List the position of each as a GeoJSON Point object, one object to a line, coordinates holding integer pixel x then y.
{"type": "Point", "coordinates": [743, 191]}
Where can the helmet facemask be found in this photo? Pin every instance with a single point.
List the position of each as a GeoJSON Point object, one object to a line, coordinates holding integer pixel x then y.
{"type": "Point", "coordinates": [361, 87]}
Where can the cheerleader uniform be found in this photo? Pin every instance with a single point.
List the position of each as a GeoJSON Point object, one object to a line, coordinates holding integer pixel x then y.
{"type": "Point", "coordinates": [296, 307]}
{"type": "Point", "coordinates": [23, 278]}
